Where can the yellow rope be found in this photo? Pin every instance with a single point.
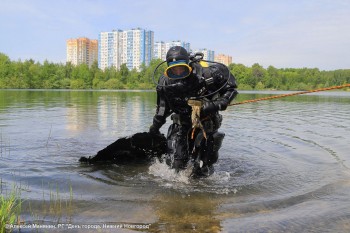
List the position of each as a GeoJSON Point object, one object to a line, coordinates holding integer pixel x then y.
{"type": "Point", "coordinates": [291, 94]}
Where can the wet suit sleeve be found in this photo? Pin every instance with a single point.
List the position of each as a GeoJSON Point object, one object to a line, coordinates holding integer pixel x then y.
{"type": "Point", "coordinates": [163, 109]}
{"type": "Point", "coordinates": [228, 93]}
{"type": "Point", "coordinates": [221, 76]}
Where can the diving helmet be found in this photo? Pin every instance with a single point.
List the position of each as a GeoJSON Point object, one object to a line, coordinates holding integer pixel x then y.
{"type": "Point", "coordinates": [177, 59]}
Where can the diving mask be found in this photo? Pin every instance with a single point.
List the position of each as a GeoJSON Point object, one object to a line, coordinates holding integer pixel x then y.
{"type": "Point", "coordinates": [178, 70]}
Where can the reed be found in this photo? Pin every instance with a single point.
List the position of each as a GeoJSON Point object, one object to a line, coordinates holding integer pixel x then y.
{"type": "Point", "coordinates": [4, 147]}
{"type": "Point", "coordinates": [56, 205]}
{"type": "Point", "coordinates": [0, 143]}
{"type": "Point", "coordinates": [10, 209]}
{"type": "Point", "coordinates": [47, 141]}
{"type": "Point", "coordinates": [53, 204]}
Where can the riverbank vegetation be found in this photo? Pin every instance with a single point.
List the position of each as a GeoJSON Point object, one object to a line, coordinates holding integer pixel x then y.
{"type": "Point", "coordinates": [10, 208]}
{"type": "Point", "coordinates": [29, 74]}
{"type": "Point", "coordinates": [54, 205]}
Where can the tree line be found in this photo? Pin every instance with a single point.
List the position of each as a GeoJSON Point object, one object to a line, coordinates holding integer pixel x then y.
{"type": "Point", "coordinates": [29, 74]}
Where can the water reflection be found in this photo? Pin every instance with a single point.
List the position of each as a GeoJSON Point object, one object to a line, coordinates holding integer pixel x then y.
{"type": "Point", "coordinates": [284, 164]}
{"type": "Point", "coordinates": [110, 112]}
{"type": "Point", "coordinates": [186, 212]}
{"type": "Point", "coordinates": [102, 110]}
{"type": "Point", "coordinates": [119, 113]}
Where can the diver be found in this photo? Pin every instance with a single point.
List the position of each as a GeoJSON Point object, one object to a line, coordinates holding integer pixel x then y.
{"type": "Point", "coordinates": [188, 78]}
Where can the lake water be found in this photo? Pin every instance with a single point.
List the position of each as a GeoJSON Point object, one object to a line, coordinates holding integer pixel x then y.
{"type": "Point", "coordinates": [284, 165]}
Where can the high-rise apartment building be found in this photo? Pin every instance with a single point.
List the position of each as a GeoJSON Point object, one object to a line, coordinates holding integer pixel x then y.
{"type": "Point", "coordinates": [161, 48]}
{"type": "Point", "coordinates": [109, 49]}
{"type": "Point", "coordinates": [208, 54]}
{"type": "Point", "coordinates": [184, 44]}
{"type": "Point", "coordinates": [224, 59]}
{"type": "Point", "coordinates": [82, 51]}
{"type": "Point", "coordinates": [131, 47]}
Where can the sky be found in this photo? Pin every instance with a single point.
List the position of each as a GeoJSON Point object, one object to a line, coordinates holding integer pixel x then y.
{"type": "Point", "coordinates": [281, 33]}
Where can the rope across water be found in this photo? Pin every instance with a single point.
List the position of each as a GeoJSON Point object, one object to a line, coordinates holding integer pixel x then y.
{"type": "Point", "coordinates": [291, 94]}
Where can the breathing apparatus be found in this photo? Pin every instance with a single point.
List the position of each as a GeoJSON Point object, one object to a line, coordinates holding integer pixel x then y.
{"type": "Point", "coordinates": [193, 63]}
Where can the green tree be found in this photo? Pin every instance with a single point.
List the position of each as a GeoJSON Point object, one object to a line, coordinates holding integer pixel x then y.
{"type": "Point", "coordinates": [257, 75]}
{"type": "Point", "coordinates": [124, 73]}
{"type": "Point", "coordinates": [241, 73]}
{"type": "Point", "coordinates": [272, 80]}
{"type": "Point", "coordinates": [113, 84]}
{"type": "Point", "coordinates": [31, 74]}
{"type": "Point", "coordinates": [5, 70]}
{"type": "Point", "coordinates": [77, 84]}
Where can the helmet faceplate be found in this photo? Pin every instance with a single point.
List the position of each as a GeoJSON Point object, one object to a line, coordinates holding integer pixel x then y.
{"type": "Point", "coordinates": [177, 59]}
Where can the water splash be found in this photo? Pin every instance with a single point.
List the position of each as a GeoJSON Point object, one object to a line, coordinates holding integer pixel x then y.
{"type": "Point", "coordinates": [220, 182]}
{"type": "Point", "coordinates": [165, 173]}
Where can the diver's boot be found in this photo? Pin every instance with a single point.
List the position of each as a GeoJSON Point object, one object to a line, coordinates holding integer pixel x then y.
{"type": "Point", "coordinates": [204, 171]}
{"type": "Point", "coordinates": [207, 170]}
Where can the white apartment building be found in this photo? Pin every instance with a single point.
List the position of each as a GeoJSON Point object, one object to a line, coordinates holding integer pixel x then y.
{"type": "Point", "coordinates": [161, 48]}
{"type": "Point", "coordinates": [131, 47]}
{"type": "Point", "coordinates": [109, 49]}
{"type": "Point", "coordinates": [208, 54]}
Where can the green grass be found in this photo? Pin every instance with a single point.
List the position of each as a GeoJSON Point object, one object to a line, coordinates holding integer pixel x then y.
{"type": "Point", "coordinates": [10, 208]}
{"type": "Point", "coordinates": [52, 204]}
{"type": "Point", "coordinates": [11, 203]}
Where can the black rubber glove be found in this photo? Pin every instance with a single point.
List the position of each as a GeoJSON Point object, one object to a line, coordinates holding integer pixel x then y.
{"type": "Point", "coordinates": [209, 107]}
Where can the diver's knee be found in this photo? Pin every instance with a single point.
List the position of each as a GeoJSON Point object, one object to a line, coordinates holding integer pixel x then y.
{"type": "Point", "coordinates": [213, 155]}
{"type": "Point", "coordinates": [218, 138]}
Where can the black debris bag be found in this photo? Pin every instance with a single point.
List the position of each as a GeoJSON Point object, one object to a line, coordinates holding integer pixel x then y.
{"type": "Point", "coordinates": [139, 148]}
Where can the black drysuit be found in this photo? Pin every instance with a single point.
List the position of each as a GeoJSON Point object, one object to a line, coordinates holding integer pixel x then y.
{"type": "Point", "coordinates": [172, 97]}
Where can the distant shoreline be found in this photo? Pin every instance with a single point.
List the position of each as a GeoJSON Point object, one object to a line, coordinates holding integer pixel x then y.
{"type": "Point", "coordinates": [153, 90]}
